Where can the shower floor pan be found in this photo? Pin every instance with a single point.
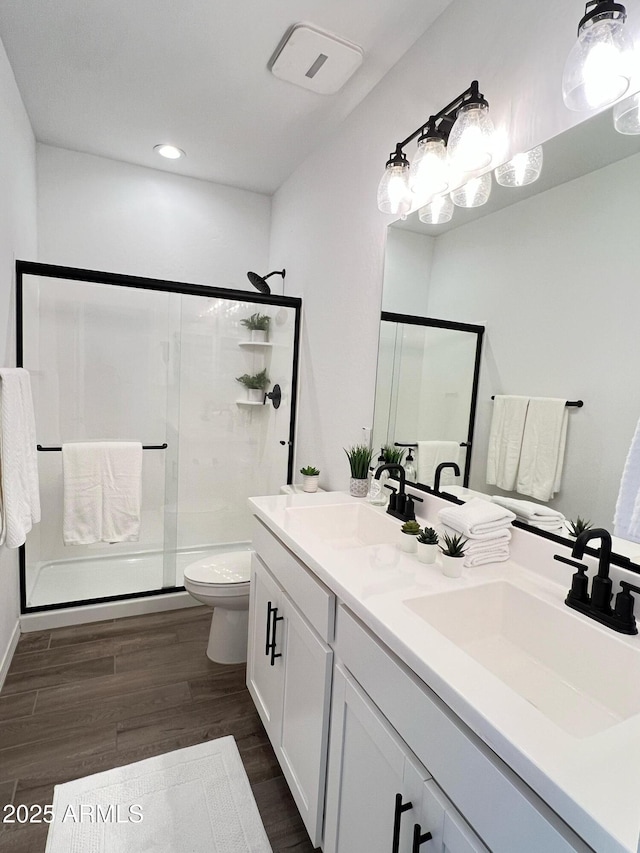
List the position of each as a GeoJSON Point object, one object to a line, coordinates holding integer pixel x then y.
{"type": "Point", "coordinates": [63, 581]}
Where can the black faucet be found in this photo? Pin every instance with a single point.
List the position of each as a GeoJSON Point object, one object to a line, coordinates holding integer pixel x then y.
{"type": "Point", "coordinates": [401, 505]}
{"type": "Point", "coordinates": [598, 605]}
{"type": "Point", "coordinates": [440, 469]}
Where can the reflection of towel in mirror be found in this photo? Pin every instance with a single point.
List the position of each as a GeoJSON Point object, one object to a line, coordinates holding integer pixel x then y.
{"type": "Point", "coordinates": [102, 483]}
{"type": "Point", "coordinates": [19, 490]}
{"type": "Point", "coordinates": [477, 552]}
{"type": "Point", "coordinates": [505, 440]}
{"type": "Point", "coordinates": [478, 519]}
{"type": "Point", "coordinates": [431, 454]}
{"type": "Point", "coordinates": [626, 523]}
{"type": "Point", "coordinates": [542, 452]}
{"type": "Point", "coordinates": [532, 513]}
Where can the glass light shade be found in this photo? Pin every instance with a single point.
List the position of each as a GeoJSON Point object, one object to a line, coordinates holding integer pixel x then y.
{"type": "Point", "coordinates": [521, 170]}
{"type": "Point", "coordinates": [598, 69]}
{"type": "Point", "coordinates": [626, 115]}
{"type": "Point", "coordinates": [471, 140]}
{"type": "Point", "coordinates": [474, 193]}
{"type": "Point", "coordinates": [394, 195]}
{"type": "Point", "coordinates": [437, 211]}
{"type": "Point", "coordinates": [429, 169]}
{"type": "Point", "coordinates": [169, 151]}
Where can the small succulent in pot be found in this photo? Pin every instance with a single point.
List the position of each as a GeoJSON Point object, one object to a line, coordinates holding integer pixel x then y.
{"type": "Point", "coordinates": [428, 536]}
{"type": "Point", "coordinates": [452, 554]}
{"type": "Point", "coordinates": [310, 476]}
{"type": "Point", "coordinates": [309, 471]}
{"type": "Point", "coordinates": [412, 528]}
{"type": "Point", "coordinates": [579, 526]}
{"type": "Point", "coordinates": [359, 456]}
{"type": "Point", "coordinates": [409, 530]}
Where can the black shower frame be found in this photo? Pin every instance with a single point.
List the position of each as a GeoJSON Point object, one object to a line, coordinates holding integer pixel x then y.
{"type": "Point", "coordinates": [164, 286]}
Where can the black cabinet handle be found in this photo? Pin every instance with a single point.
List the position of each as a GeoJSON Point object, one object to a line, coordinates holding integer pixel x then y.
{"type": "Point", "coordinates": [419, 839]}
{"type": "Point", "coordinates": [270, 610]}
{"type": "Point", "coordinates": [400, 807]}
{"type": "Point", "coordinates": [275, 620]}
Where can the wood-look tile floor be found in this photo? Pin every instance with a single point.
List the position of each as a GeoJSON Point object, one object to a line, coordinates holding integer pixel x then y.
{"type": "Point", "coordinates": [91, 697]}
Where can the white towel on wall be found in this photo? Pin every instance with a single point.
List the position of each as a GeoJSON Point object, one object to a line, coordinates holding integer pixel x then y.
{"type": "Point", "coordinates": [626, 522]}
{"type": "Point", "coordinates": [478, 519]}
{"type": "Point", "coordinates": [102, 491]}
{"type": "Point", "coordinates": [19, 489]}
{"type": "Point", "coordinates": [543, 444]}
{"type": "Point", "coordinates": [431, 454]}
{"type": "Point", "coordinates": [505, 440]}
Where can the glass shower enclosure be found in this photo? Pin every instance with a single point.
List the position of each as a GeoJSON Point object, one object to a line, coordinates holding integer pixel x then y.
{"type": "Point", "coordinates": [124, 358]}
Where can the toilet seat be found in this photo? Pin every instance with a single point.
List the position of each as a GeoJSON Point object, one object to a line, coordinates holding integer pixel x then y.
{"type": "Point", "coordinates": [227, 572]}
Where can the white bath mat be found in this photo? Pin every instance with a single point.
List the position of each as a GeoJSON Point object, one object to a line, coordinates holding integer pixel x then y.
{"type": "Point", "coordinates": [193, 800]}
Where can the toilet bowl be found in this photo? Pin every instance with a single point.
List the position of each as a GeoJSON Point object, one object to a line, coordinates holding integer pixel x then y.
{"type": "Point", "coordinates": [221, 581]}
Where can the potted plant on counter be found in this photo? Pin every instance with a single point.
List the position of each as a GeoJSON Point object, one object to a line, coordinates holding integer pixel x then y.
{"type": "Point", "coordinates": [310, 476]}
{"type": "Point", "coordinates": [427, 544]}
{"type": "Point", "coordinates": [578, 526]}
{"type": "Point", "coordinates": [258, 325]}
{"type": "Point", "coordinates": [452, 555]}
{"type": "Point", "coordinates": [359, 457]}
{"type": "Point", "coordinates": [255, 385]}
{"type": "Point", "coordinates": [408, 536]}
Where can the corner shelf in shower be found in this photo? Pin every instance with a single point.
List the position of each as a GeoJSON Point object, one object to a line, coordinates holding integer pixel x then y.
{"type": "Point", "coordinates": [254, 344]}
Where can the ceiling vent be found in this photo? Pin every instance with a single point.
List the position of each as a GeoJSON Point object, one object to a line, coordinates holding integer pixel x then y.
{"type": "Point", "coordinates": [315, 60]}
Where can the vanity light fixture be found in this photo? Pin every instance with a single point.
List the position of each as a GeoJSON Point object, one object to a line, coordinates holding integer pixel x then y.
{"type": "Point", "coordinates": [439, 210]}
{"type": "Point", "coordinates": [169, 151]}
{"type": "Point", "coordinates": [464, 127]}
{"type": "Point", "coordinates": [598, 69]}
{"type": "Point", "coordinates": [626, 115]}
{"type": "Point", "coordinates": [474, 193]}
{"type": "Point", "coordinates": [521, 170]}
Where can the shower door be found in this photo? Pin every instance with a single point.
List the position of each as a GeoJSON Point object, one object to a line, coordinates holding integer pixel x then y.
{"type": "Point", "coordinates": [124, 358]}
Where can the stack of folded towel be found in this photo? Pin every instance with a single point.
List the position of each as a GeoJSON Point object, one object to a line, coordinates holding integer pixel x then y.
{"type": "Point", "coordinates": [484, 525]}
{"type": "Point", "coordinates": [532, 513]}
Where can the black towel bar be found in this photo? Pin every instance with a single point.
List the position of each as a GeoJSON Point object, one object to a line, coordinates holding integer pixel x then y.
{"type": "Point", "coordinates": [576, 404]}
{"type": "Point", "coordinates": [144, 447]}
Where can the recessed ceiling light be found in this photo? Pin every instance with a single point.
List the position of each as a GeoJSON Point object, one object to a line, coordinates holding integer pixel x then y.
{"type": "Point", "coordinates": [169, 151]}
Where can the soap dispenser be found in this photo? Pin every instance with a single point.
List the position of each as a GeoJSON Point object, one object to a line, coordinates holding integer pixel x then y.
{"type": "Point", "coordinates": [377, 495]}
{"type": "Point", "coordinates": [410, 468]}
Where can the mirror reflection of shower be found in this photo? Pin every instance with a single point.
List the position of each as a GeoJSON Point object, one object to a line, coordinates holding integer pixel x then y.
{"type": "Point", "coordinates": [260, 281]}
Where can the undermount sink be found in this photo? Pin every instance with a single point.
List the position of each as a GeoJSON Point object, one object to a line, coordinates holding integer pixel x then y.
{"type": "Point", "coordinates": [582, 678]}
{"type": "Point", "coordinates": [343, 525]}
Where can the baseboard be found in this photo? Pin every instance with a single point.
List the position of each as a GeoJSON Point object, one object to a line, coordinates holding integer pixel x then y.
{"type": "Point", "coordinates": [8, 655]}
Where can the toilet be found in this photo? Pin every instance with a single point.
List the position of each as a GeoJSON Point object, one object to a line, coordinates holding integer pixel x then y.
{"type": "Point", "coordinates": [221, 581]}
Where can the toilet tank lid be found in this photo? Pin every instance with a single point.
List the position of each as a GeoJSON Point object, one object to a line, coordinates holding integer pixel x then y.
{"type": "Point", "coordinates": [225, 568]}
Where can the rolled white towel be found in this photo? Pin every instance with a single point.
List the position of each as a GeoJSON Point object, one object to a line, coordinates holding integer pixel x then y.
{"type": "Point", "coordinates": [532, 513]}
{"type": "Point", "coordinates": [477, 519]}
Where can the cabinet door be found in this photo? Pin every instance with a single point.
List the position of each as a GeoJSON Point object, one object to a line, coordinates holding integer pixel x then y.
{"type": "Point", "coordinates": [373, 792]}
{"type": "Point", "coordinates": [449, 831]}
{"type": "Point", "coordinates": [265, 654]}
{"type": "Point", "coordinates": [305, 718]}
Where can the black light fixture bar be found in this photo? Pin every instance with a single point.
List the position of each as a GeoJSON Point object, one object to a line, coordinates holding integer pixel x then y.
{"type": "Point", "coordinates": [444, 120]}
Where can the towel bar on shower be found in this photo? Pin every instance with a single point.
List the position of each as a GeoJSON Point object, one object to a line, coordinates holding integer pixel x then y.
{"type": "Point", "coordinates": [415, 444]}
{"type": "Point", "coordinates": [576, 404]}
{"type": "Point", "coordinates": [144, 447]}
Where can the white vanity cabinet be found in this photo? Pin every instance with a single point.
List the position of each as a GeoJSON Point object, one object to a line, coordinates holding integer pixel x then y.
{"type": "Point", "coordinates": [289, 668]}
{"type": "Point", "coordinates": [380, 799]}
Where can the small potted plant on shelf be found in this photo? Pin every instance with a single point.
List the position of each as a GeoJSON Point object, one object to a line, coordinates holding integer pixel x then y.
{"type": "Point", "coordinates": [578, 526]}
{"type": "Point", "coordinates": [258, 325]}
{"type": "Point", "coordinates": [427, 543]}
{"type": "Point", "coordinates": [452, 554]}
{"type": "Point", "coordinates": [310, 476]}
{"type": "Point", "coordinates": [408, 537]}
{"type": "Point", "coordinates": [255, 385]}
{"type": "Point", "coordinates": [359, 457]}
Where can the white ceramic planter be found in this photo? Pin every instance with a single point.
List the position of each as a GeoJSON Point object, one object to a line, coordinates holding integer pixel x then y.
{"type": "Point", "coordinates": [452, 566]}
{"type": "Point", "coordinates": [259, 336]}
{"type": "Point", "coordinates": [255, 395]}
{"type": "Point", "coordinates": [408, 542]}
{"type": "Point", "coordinates": [310, 482]}
{"type": "Point", "coordinates": [358, 488]}
{"type": "Point", "coordinates": [427, 553]}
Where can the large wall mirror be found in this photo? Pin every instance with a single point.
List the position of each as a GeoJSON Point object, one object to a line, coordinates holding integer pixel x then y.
{"type": "Point", "coordinates": [550, 271]}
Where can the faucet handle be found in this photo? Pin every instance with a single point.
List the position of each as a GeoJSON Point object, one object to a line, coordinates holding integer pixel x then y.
{"type": "Point", "coordinates": [624, 606]}
{"type": "Point", "coordinates": [579, 582]}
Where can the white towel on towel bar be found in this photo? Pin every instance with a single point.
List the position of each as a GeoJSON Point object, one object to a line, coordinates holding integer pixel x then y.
{"type": "Point", "coordinates": [19, 490]}
{"type": "Point", "coordinates": [543, 443]}
{"type": "Point", "coordinates": [102, 491]}
{"type": "Point", "coordinates": [431, 454]}
{"type": "Point", "coordinates": [505, 440]}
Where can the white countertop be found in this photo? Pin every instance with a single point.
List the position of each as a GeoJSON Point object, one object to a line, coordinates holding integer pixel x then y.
{"type": "Point", "coordinates": [592, 782]}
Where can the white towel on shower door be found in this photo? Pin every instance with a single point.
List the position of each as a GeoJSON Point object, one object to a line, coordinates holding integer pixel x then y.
{"type": "Point", "coordinates": [102, 491]}
{"type": "Point", "coordinates": [19, 490]}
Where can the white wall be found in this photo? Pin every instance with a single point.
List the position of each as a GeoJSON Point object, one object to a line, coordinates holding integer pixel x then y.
{"type": "Point", "coordinates": [17, 239]}
{"type": "Point", "coordinates": [326, 228]}
{"type": "Point", "coordinates": [102, 214]}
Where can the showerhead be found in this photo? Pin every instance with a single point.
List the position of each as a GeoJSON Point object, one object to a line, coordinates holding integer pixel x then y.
{"type": "Point", "coordinates": [260, 282]}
